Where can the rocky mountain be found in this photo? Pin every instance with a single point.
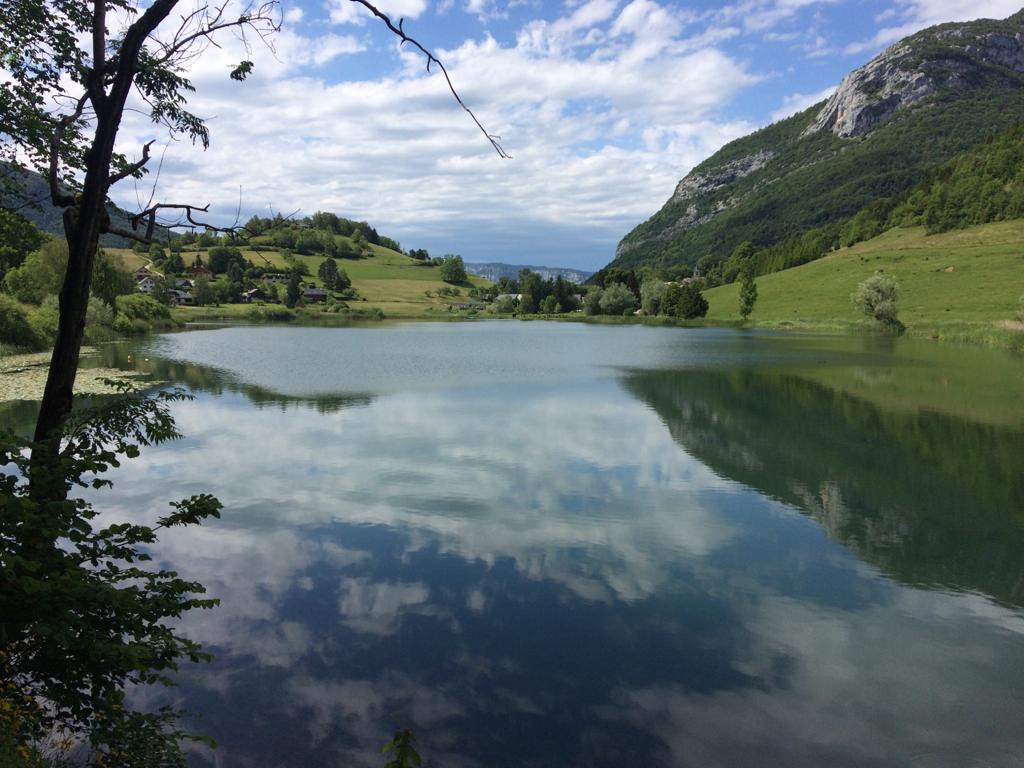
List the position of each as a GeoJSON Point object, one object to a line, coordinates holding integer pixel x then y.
{"type": "Point", "coordinates": [927, 98]}
{"type": "Point", "coordinates": [494, 271]}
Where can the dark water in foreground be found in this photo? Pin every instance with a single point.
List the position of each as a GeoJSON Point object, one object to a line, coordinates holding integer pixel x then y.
{"type": "Point", "coordinates": [564, 545]}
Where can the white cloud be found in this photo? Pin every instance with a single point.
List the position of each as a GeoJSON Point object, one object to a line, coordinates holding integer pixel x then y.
{"type": "Point", "coordinates": [913, 15]}
{"type": "Point", "coordinates": [797, 102]}
{"type": "Point", "coordinates": [579, 28]}
{"type": "Point", "coordinates": [603, 110]}
{"type": "Point", "coordinates": [349, 12]}
{"type": "Point", "coordinates": [486, 10]}
{"type": "Point", "coordinates": [763, 15]}
{"type": "Point", "coordinates": [298, 51]}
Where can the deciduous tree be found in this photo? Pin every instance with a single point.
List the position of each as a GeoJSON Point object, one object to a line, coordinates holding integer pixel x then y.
{"type": "Point", "coordinates": [18, 238]}
{"type": "Point", "coordinates": [292, 294]}
{"type": "Point", "coordinates": [685, 301]}
{"type": "Point", "coordinates": [876, 298]}
{"type": "Point", "coordinates": [328, 272]}
{"type": "Point", "coordinates": [453, 269]}
{"type": "Point", "coordinates": [748, 293]}
{"type": "Point", "coordinates": [617, 299]}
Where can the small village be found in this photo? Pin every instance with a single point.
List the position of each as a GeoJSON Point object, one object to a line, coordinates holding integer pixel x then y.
{"type": "Point", "coordinates": [153, 283]}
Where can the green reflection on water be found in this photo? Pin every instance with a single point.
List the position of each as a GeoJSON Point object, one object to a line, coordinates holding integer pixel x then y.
{"type": "Point", "coordinates": [930, 498]}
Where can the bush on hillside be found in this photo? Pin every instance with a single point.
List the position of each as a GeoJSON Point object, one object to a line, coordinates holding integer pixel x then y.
{"type": "Point", "coordinates": [139, 306]}
{"type": "Point", "coordinates": [15, 329]}
{"type": "Point", "coordinates": [876, 297]}
{"type": "Point", "coordinates": [138, 313]}
{"type": "Point", "coordinates": [453, 270]}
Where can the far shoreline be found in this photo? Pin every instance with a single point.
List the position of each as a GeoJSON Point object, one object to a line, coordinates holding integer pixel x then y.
{"type": "Point", "coordinates": [1004, 337]}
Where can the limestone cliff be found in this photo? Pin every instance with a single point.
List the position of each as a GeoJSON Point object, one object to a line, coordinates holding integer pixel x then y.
{"type": "Point", "coordinates": [913, 70]}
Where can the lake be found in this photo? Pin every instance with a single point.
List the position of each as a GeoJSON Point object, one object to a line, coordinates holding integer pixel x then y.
{"type": "Point", "coordinates": [555, 544]}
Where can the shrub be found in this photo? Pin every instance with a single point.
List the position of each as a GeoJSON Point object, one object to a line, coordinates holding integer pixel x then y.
{"type": "Point", "coordinates": [138, 313]}
{"type": "Point", "coordinates": [98, 314]}
{"type": "Point", "coordinates": [685, 301]}
{"type": "Point", "coordinates": [505, 306]}
{"type": "Point", "coordinates": [617, 299]}
{"type": "Point", "coordinates": [652, 294]}
{"type": "Point", "coordinates": [40, 275]}
{"type": "Point", "coordinates": [139, 306]}
{"type": "Point", "coordinates": [270, 313]}
{"type": "Point", "coordinates": [15, 329]}
{"type": "Point", "coordinates": [592, 301]}
{"type": "Point", "coordinates": [876, 297]}
{"type": "Point", "coordinates": [44, 320]}
{"type": "Point", "coordinates": [127, 326]}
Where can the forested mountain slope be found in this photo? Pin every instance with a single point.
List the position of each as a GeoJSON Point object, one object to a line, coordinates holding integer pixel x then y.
{"type": "Point", "coordinates": [923, 101]}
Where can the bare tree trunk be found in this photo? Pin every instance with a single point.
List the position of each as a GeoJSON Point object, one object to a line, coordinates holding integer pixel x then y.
{"type": "Point", "coordinates": [81, 228]}
{"type": "Point", "coordinates": [83, 223]}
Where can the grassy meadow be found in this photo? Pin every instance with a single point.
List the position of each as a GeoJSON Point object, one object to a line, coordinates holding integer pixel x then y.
{"type": "Point", "coordinates": [960, 285]}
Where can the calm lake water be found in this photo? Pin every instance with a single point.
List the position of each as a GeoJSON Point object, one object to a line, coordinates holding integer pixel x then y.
{"type": "Point", "coordinates": [564, 545]}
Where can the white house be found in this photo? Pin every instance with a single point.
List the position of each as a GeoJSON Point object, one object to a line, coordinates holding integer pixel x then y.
{"type": "Point", "coordinates": [147, 284]}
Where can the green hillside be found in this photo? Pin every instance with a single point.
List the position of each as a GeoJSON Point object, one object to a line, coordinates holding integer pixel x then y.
{"type": "Point", "coordinates": [383, 278]}
{"type": "Point", "coordinates": [961, 284]}
{"type": "Point", "coordinates": [803, 173]}
{"type": "Point", "coordinates": [982, 185]}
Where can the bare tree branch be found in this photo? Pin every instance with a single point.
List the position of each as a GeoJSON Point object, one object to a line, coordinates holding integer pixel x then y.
{"type": "Point", "coordinates": [432, 59]}
{"type": "Point", "coordinates": [128, 233]}
{"type": "Point", "coordinates": [60, 198]}
{"type": "Point", "coordinates": [132, 169]}
{"type": "Point", "coordinates": [202, 23]}
{"type": "Point", "coordinates": [190, 220]}
{"type": "Point", "coordinates": [156, 181]}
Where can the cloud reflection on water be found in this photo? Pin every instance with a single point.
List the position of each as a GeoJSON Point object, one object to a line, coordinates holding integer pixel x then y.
{"type": "Point", "coordinates": [545, 573]}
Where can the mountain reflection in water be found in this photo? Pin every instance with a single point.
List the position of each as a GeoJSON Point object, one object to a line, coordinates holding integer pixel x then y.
{"type": "Point", "coordinates": [930, 499]}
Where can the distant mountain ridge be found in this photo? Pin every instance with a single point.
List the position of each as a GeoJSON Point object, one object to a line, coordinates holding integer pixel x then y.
{"type": "Point", "coordinates": [29, 195]}
{"type": "Point", "coordinates": [922, 101]}
{"type": "Point", "coordinates": [494, 271]}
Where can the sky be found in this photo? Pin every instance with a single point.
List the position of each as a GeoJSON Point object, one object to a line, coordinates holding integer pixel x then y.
{"type": "Point", "coordinates": [603, 106]}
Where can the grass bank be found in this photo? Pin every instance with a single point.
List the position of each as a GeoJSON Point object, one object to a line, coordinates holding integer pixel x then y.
{"type": "Point", "coordinates": [963, 286]}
